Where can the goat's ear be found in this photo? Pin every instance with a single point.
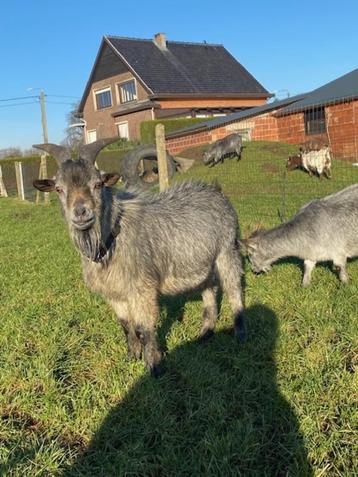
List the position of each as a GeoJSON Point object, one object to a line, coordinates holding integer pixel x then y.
{"type": "Point", "coordinates": [110, 178]}
{"type": "Point", "coordinates": [250, 245]}
{"type": "Point", "coordinates": [44, 185]}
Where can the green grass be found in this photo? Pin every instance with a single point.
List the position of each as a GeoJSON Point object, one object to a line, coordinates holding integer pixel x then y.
{"type": "Point", "coordinates": [282, 404]}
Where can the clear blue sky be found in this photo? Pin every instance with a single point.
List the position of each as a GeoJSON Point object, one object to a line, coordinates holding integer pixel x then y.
{"type": "Point", "coordinates": [287, 45]}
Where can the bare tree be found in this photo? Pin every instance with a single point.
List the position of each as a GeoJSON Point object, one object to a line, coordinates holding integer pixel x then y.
{"type": "Point", "coordinates": [10, 152]}
{"type": "Point", "coordinates": [74, 135]}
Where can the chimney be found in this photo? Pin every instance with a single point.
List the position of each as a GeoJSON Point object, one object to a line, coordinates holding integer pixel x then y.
{"type": "Point", "coordinates": [160, 40]}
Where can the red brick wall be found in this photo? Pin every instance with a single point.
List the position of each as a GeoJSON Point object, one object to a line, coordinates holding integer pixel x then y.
{"type": "Point", "coordinates": [262, 127]}
{"type": "Point", "coordinates": [342, 122]}
{"type": "Point", "coordinates": [342, 131]}
{"type": "Point", "coordinates": [101, 120]}
{"type": "Point", "coordinates": [134, 120]}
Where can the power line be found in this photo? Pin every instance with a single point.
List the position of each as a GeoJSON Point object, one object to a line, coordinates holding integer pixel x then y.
{"type": "Point", "coordinates": [58, 102]}
{"type": "Point", "coordinates": [62, 96]}
{"type": "Point", "coordinates": [20, 97]}
{"type": "Point", "coordinates": [18, 104]}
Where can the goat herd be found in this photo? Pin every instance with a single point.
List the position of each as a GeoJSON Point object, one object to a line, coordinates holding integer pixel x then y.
{"type": "Point", "coordinates": [135, 246]}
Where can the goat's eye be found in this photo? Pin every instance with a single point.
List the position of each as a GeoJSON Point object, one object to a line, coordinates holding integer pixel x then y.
{"type": "Point", "coordinates": [98, 185]}
{"type": "Point", "coordinates": [58, 189]}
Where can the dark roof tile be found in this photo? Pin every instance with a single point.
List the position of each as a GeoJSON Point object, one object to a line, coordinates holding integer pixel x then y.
{"type": "Point", "coordinates": [197, 68]}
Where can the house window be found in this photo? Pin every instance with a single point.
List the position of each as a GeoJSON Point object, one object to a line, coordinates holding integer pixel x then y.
{"type": "Point", "coordinates": [91, 136]}
{"type": "Point", "coordinates": [127, 91]}
{"type": "Point", "coordinates": [123, 131]}
{"type": "Point", "coordinates": [315, 121]}
{"type": "Point", "coordinates": [103, 98]}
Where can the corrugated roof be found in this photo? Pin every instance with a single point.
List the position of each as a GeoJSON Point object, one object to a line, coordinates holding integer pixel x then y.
{"type": "Point", "coordinates": [196, 68]}
{"type": "Point", "coordinates": [239, 116]}
{"type": "Point", "coordinates": [344, 87]}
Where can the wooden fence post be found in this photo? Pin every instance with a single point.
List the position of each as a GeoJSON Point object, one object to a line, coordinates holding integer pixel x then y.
{"type": "Point", "coordinates": [3, 190]}
{"type": "Point", "coordinates": [19, 180]}
{"type": "Point", "coordinates": [162, 157]}
{"type": "Point", "coordinates": [43, 175]}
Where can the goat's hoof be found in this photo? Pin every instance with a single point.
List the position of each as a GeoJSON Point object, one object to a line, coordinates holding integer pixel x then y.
{"type": "Point", "coordinates": [240, 335]}
{"type": "Point", "coordinates": [205, 335]}
{"type": "Point", "coordinates": [240, 327]}
{"type": "Point", "coordinates": [135, 350]}
{"type": "Point", "coordinates": [135, 354]}
{"type": "Point", "coordinates": [157, 370]}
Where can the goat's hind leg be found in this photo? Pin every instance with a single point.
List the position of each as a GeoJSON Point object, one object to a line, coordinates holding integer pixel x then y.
{"type": "Point", "coordinates": [229, 268]}
{"type": "Point", "coordinates": [308, 268]}
{"type": "Point", "coordinates": [133, 343]}
{"type": "Point", "coordinates": [341, 265]}
{"type": "Point", "coordinates": [210, 312]}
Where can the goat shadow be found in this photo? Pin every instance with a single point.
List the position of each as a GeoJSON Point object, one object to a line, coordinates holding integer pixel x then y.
{"type": "Point", "coordinates": [217, 411]}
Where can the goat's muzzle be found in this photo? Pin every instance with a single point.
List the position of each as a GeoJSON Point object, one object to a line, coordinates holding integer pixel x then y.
{"type": "Point", "coordinates": [83, 218]}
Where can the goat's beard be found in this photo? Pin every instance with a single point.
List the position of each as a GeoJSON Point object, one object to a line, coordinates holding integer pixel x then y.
{"type": "Point", "coordinates": [88, 242]}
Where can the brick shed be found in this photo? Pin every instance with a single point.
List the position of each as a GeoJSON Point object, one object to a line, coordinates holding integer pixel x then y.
{"type": "Point", "coordinates": [329, 113]}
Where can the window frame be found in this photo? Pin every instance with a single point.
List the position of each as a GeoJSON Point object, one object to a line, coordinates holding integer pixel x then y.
{"type": "Point", "coordinates": [315, 121]}
{"type": "Point", "coordinates": [119, 91]}
{"type": "Point", "coordinates": [120, 123]}
{"type": "Point", "coordinates": [88, 132]}
{"type": "Point", "coordinates": [99, 91]}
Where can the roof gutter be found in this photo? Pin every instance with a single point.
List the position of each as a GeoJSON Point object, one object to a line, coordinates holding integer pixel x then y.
{"type": "Point", "coordinates": [210, 95]}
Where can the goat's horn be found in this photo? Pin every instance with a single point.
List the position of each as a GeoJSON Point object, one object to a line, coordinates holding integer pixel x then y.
{"type": "Point", "coordinates": [90, 151]}
{"type": "Point", "coordinates": [60, 153]}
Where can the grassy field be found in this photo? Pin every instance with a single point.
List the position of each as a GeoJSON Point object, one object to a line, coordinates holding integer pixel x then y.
{"type": "Point", "coordinates": [282, 404]}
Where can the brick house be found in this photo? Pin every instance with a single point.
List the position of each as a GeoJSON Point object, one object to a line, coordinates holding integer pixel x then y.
{"type": "Point", "coordinates": [135, 80]}
{"type": "Point", "coordinates": [328, 113]}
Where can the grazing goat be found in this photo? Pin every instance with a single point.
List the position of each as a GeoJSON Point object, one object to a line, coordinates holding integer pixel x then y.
{"type": "Point", "coordinates": [137, 246]}
{"type": "Point", "coordinates": [312, 161]}
{"type": "Point", "coordinates": [323, 230]}
{"type": "Point", "coordinates": [231, 144]}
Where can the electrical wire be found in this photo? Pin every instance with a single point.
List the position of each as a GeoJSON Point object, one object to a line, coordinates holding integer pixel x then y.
{"type": "Point", "coordinates": [58, 102]}
{"type": "Point", "coordinates": [18, 104]}
{"type": "Point", "coordinates": [20, 97]}
{"type": "Point", "coordinates": [62, 96]}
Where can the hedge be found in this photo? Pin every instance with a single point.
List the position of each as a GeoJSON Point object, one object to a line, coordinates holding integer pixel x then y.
{"type": "Point", "coordinates": [147, 128]}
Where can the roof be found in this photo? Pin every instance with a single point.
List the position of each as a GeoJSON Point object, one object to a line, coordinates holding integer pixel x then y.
{"type": "Point", "coordinates": [340, 89]}
{"type": "Point", "coordinates": [193, 69]}
{"type": "Point", "coordinates": [239, 116]}
{"type": "Point", "coordinates": [186, 67]}
{"type": "Point", "coordinates": [343, 88]}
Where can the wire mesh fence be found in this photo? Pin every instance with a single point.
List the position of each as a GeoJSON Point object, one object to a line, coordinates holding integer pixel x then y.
{"type": "Point", "coordinates": [261, 187]}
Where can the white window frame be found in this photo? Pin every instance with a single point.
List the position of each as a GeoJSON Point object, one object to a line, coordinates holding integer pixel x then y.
{"type": "Point", "coordinates": [99, 91]}
{"type": "Point", "coordinates": [88, 132]}
{"type": "Point", "coordinates": [119, 124]}
{"type": "Point", "coordinates": [118, 92]}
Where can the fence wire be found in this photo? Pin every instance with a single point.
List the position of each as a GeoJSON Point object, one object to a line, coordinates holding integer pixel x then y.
{"type": "Point", "coordinates": [260, 186]}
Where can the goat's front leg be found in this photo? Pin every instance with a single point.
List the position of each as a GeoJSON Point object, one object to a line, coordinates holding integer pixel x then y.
{"type": "Point", "coordinates": [144, 309]}
{"type": "Point", "coordinates": [133, 343]}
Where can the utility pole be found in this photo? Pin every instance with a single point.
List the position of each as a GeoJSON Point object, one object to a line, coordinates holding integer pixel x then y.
{"type": "Point", "coordinates": [43, 164]}
{"type": "Point", "coordinates": [43, 116]}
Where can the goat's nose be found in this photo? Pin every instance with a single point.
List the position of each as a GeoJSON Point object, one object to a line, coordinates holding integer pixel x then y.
{"type": "Point", "coordinates": [79, 210]}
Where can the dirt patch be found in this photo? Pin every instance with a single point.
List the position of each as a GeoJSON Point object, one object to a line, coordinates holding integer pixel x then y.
{"type": "Point", "coordinates": [275, 148]}
{"type": "Point", "coordinates": [195, 152]}
{"type": "Point", "coordinates": [22, 215]}
{"type": "Point", "coordinates": [271, 168]}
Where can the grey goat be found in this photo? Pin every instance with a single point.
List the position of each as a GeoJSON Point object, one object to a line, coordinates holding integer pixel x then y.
{"type": "Point", "coordinates": [323, 230]}
{"type": "Point", "coordinates": [137, 246]}
{"type": "Point", "coordinates": [231, 144]}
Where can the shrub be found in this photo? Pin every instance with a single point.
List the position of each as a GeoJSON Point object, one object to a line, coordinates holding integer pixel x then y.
{"type": "Point", "coordinates": [147, 128]}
